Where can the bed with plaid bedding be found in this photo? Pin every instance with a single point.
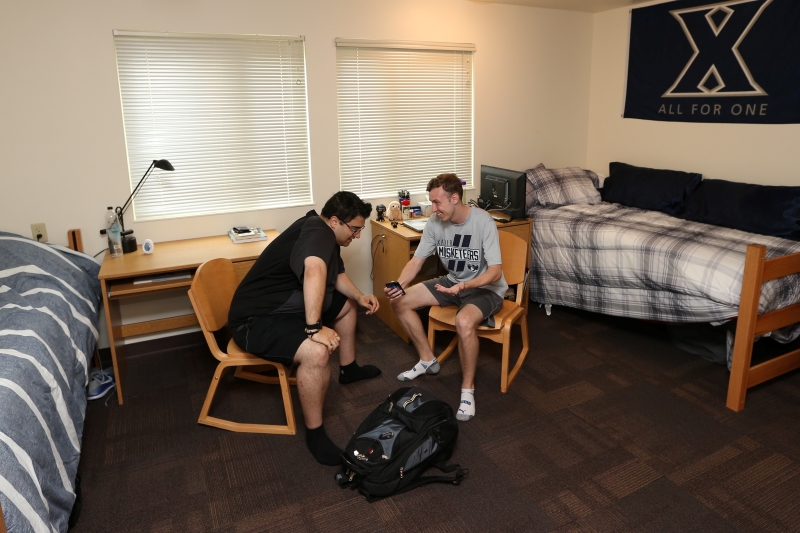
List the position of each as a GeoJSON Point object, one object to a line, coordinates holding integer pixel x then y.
{"type": "Point", "coordinates": [630, 262]}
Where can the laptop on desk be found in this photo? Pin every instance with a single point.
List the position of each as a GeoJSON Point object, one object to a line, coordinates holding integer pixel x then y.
{"type": "Point", "coordinates": [416, 225]}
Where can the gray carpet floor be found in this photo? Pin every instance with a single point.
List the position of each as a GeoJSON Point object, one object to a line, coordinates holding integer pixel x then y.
{"type": "Point", "coordinates": [608, 428]}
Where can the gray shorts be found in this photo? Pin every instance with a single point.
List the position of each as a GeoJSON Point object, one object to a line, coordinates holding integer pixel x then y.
{"type": "Point", "coordinates": [487, 301]}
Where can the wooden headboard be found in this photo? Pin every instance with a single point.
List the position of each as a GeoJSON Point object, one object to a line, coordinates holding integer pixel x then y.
{"type": "Point", "coordinates": [74, 242]}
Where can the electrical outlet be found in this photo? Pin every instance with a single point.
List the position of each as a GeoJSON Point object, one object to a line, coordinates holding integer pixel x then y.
{"type": "Point", "coordinates": [39, 229]}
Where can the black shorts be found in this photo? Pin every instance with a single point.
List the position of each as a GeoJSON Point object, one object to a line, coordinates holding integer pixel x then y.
{"type": "Point", "coordinates": [487, 301]}
{"type": "Point", "coordinates": [278, 336]}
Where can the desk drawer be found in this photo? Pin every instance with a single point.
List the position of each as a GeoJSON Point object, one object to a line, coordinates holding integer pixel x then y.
{"type": "Point", "coordinates": [242, 268]}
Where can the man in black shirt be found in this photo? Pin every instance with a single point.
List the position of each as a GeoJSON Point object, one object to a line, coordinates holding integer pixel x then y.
{"type": "Point", "coordinates": [297, 305]}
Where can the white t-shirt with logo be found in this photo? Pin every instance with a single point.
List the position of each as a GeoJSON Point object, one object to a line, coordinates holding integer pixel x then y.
{"type": "Point", "coordinates": [466, 250]}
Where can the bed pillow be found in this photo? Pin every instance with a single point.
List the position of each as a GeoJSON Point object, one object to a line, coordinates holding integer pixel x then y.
{"type": "Point", "coordinates": [564, 186]}
{"type": "Point", "coordinates": [531, 200]}
{"type": "Point", "coordinates": [763, 209]}
{"type": "Point", "coordinates": [649, 188]}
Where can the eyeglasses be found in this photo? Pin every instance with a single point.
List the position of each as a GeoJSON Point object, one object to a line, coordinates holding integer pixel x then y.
{"type": "Point", "coordinates": [355, 231]}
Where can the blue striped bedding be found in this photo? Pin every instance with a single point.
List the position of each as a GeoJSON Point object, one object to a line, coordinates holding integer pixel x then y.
{"type": "Point", "coordinates": [49, 301]}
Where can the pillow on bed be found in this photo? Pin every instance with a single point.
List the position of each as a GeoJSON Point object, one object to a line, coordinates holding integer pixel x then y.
{"type": "Point", "coordinates": [763, 209]}
{"type": "Point", "coordinates": [564, 186]}
{"type": "Point", "coordinates": [531, 200]}
{"type": "Point", "coordinates": [649, 188]}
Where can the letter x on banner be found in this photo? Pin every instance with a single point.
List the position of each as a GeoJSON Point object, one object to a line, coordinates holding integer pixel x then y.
{"type": "Point", "coordinates": [735, 61]}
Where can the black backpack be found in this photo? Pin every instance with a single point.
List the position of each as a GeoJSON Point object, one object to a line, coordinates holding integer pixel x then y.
{"type": "Point", "coordinates": [391, 449]}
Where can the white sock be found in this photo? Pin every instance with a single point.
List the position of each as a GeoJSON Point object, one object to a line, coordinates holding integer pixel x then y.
{"type": "Point", "coordinates": [466, 409]}
{"type": "Point", "coordinates": [422, 367]}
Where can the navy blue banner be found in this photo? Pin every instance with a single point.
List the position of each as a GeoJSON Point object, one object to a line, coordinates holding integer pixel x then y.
{"type": "Point", "coordinates": [734, 61]}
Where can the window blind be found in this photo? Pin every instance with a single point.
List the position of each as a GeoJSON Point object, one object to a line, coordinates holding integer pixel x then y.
{"type": "Point", "coordinates": [405, 114]}
{"type": "Point", "coordinates": [228, 111]}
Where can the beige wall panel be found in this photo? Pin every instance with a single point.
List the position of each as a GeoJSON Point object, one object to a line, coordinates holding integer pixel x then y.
{"type": "Point", "coordinates": [750, 153]}
{"type": "Point", "coordinates": [62, 143]}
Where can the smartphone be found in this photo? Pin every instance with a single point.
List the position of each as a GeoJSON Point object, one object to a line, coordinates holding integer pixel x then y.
{"type": "Point", "coordinates": [395, 285]}
{"type": "Point", "coordinates": [241, 229]}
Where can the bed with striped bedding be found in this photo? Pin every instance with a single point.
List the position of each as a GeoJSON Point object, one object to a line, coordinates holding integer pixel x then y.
{"type": "Point", "coordinates": [49, 301]}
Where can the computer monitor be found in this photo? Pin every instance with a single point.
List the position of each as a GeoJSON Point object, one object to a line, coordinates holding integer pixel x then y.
{"type": "Point", "coordinates": [503, 190]}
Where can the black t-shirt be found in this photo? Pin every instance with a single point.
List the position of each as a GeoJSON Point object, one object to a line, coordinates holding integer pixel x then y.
{"type": "Point", "coordinates": [275, 282]}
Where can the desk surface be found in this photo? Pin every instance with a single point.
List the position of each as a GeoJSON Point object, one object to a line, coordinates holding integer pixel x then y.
{"type": "Point", "coordinates": [117, 277]}
{"type": "Point", "coordinates": [171, 256]}
{"type": "Point", "coordinates": [411, 235]}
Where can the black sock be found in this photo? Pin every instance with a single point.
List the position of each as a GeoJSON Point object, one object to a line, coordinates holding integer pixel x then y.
{"type": "Point", "coordinates": [352, 373]}
{"type": "Point", "coordinates": [322, 448]}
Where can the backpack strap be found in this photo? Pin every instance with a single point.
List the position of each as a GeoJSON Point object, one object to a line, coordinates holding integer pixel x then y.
{"type": "Point", "coordinates": [444, 467]}
{"type": "Point", "coordinates": [425, 480]}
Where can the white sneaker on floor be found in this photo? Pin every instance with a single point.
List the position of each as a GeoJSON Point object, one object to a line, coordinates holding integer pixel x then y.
{"type": "Point", "coordinates": [420, 369]}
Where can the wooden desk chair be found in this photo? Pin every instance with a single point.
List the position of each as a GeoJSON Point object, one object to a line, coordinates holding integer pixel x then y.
{"type": "Point", "coordinates": [211, 293]}
{"type": "Point", "coordinates": [749, 325]}
{"type": "Point", "coordinates": [514, 253]}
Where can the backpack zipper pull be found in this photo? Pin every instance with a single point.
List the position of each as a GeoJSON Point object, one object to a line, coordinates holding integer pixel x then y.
{"type": "Point", "coordinates": [401, 472]}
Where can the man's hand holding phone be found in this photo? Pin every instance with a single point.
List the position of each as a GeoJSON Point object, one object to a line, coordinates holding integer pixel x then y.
{"type": "Point", "coordinates": [394, 290]}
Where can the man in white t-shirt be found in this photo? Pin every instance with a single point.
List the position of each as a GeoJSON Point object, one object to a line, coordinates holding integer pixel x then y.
{"type": "Point", "coordinates": [466, 241]}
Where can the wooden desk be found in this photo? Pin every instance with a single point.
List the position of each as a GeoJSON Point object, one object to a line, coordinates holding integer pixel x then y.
{"type": "Point", "coordinates": [117, 276]}
{"type": "Point", "coordinates": [392, 251]}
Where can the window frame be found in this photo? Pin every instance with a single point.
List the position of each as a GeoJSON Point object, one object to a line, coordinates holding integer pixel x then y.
{"type": "Point", "coordinates": [229, 111]}
{"type": "Point", "coordinates": [363, 159]}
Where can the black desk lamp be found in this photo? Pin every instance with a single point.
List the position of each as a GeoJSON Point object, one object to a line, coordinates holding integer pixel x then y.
{"type": "Point", "coordinates": [128, 240]}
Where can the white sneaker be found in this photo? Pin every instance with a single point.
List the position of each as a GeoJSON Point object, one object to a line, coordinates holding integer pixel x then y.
{"type": "Point", "coordinates": [420, 369]}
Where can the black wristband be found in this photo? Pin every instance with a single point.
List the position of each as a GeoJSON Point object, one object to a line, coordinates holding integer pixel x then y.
{"type": "Point", "coordinates": [311, 329]}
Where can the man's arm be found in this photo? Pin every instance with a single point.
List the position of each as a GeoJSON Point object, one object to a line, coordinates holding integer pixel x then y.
{"type": "Point", "coordinates": [315, 276]}
{"type": "Point", "coordinates": [408, 274]}
{"type": "Point", "coordinates": [346, 286]}
{"type": "Point", "coordinates": [410, 271]}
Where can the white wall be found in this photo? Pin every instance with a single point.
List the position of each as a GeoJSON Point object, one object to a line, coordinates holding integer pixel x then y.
{"type": "Point", "coordinates": [62, 148]}
{"type": "Point", "coordinates": [751, 153]}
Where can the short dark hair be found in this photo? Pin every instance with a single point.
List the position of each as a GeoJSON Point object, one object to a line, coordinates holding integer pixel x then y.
{"type": "Point", "coordinates": [346, 206]}
{"type": "Point", "coordinates": [449, 182]}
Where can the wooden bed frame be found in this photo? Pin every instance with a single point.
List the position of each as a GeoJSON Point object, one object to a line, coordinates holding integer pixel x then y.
{"type": "Point", "coordinates": [74, 242]}
{"type": "Point", "coordinates": [757, 270]}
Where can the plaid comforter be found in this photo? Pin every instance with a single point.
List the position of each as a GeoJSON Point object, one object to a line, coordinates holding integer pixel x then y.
{"type": "Point", "coordinates": [630, 262]}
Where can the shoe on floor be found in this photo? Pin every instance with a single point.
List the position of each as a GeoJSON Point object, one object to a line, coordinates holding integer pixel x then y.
{"type": "Point", "coordinates": [94, 371]}
{"type": "Point", "coordinates": [100, 384]}
{"type": "Point", "coordinates": [420, 369]}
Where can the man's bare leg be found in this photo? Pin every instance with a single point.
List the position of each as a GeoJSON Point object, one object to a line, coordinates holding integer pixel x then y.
{"type": "Point", "coordinates": [405, 309]}
{"type": "Point", "coordinates": [313, 377]}
{"type": "Point", "coordinates": [467, 321]}
{"type": "Point", "coordinates": [345, 326]}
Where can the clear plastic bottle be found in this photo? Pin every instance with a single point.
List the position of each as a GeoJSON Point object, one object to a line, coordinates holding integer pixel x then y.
{"type": "Point", "coordinates": [113, 232]}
